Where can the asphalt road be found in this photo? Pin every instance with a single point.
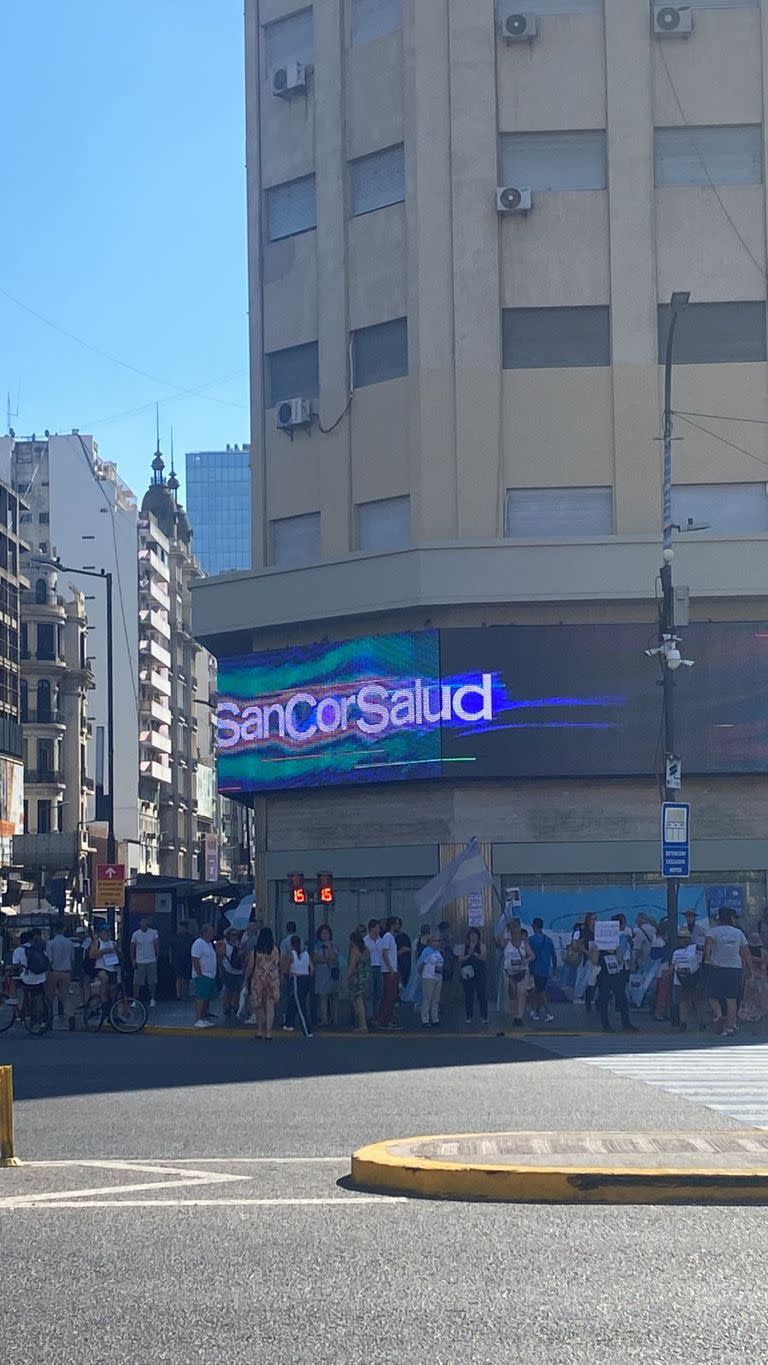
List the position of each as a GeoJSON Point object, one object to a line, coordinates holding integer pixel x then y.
{"type": "Point", "coordinates": [176, 1243]}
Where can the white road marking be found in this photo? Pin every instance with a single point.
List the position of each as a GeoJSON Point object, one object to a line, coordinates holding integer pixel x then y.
{"type": "Point", "coordinates": [186, 1177]}
{"type": "Point", "coordinates": [196, 1160]}
{"type": "Point", "coordinates": [730, 1080]}
{"type": "Point", "coordinates": [53, 1202]}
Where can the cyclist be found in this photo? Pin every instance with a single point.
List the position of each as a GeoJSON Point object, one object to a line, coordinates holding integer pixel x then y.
{"type": "Point", "coordinates": [106, 959]}
{"type": "Point", "coordinates": [31, 964]}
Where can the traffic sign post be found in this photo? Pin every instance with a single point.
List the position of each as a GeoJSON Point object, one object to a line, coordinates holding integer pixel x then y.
{"type": "Point", "coordinates": [110, 886]}
{"type": "Point", "coordinates": [675, 839]}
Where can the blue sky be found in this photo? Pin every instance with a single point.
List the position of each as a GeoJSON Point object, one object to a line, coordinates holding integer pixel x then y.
{"type": "Point", "coordinates": [122, 159]}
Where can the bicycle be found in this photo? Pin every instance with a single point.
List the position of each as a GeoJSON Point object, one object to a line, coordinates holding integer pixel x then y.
{"type": "Point", "coordinates": [34, 1011]}
{"type": "Point", "coordinates": [124, 1012]}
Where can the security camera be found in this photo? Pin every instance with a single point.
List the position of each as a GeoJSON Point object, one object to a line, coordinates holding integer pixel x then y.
{"type": "Point", "coordinates": [674, 658]}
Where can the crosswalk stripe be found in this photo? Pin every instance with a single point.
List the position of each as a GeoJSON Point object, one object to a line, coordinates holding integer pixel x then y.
{"type": "Point", "coordinates": [732, 1081]}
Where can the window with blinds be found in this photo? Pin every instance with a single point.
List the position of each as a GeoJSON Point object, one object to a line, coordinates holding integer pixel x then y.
{"type": "Point", "coordinates": [384, 525]}
{"type": "Point", "coordinates": [290, 40]}
{"type": "Point", "coordinates": [380, 353]}
{"type": "Point", "coordinates": [716, 334]}
{"type": "Point", "coordinates": [291, 208]}
{"type": "Point", "coordinates": [555, 6]}
{"type": "Point", "coordinates": [554, 161]}
{"type": "Point", "coordinates": [555, 338]}
{"type": "Point", "coordinates": [725, 4]}
{"type": "Point", "coordinates": [375, 19]}
{"type": "Point", "coordinates": [731, 155]}
{"type": "Point", "coordinates": [293, 373]}
{"type": "Point", "coordinates": [296, 541]}
{"type": "Point", "coordinates": [735, 508]}
{"type": "Point", "coordinates": [557, 513]}
{"type": "Point", "coordinates": [377, 180]}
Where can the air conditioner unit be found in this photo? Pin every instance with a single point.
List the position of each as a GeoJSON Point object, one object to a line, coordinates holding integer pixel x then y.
{"type": "Point", "coordinates": [520, 28]}
{"type": "Point", "coordinates": [293, 413]}
{"type": "Point", "coordinates": [512, 200]}
{"type": "Point", "coordinates": [290, 80]}
{"type": "Point", "coordinates": [672, 21]}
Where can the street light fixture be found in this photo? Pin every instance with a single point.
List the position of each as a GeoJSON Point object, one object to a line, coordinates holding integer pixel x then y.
{"type": "Point", "coordinates": [105, 577]}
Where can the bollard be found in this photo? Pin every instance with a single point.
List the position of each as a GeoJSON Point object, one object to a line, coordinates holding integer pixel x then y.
{"type": "Point", "coordinates": [7, 1156]}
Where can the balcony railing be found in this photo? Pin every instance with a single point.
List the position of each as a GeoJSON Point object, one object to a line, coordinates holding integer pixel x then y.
{"type": "Point", "coordinates": [44, 777]}
{"type": "Point", "coordinates": [42, 715]}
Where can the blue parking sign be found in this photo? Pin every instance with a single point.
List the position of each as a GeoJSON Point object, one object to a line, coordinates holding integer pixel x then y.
{"type": "Point", "coordinates": [675, 839]}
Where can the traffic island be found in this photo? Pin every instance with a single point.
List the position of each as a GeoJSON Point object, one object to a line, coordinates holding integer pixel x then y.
{"type": "Point", "coordinates": [726, 1166]}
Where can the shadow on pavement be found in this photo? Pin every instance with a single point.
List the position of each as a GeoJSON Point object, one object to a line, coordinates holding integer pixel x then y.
{"type": "Point", "coordinates": [64, 1064]}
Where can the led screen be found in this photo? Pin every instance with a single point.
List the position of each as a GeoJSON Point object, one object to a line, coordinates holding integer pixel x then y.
{"type": "Point", "coordinates": [494, 702]}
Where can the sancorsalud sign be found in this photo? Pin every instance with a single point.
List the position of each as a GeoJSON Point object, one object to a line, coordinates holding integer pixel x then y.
{"type": "Point", "coordinates": [372, 710]}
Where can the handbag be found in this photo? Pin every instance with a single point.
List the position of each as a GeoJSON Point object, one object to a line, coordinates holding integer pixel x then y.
{"type": "Point", "coordinates": [573, 955]}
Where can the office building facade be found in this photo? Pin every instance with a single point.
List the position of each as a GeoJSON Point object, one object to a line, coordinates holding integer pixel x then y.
{"type": "Point", "coordinates": [218, 485]}
{"type": "Point", "coordinates": [463, 244]}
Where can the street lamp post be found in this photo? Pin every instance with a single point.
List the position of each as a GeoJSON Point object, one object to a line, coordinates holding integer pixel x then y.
{"type": "Point", "coordinates": [668, 651]}
{"type": "Point", "coordinates": [105, 576]}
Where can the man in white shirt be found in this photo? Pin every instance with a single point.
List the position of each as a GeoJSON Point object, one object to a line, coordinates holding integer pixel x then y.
{"type": "Point", "coordinates": [204, 966]}
{"type": "Point", "coordinates": [727, 955]}
{"type": "Point", "coordinates": [144, 948]}
{"type": "Point", "coordinates": [372, 942]}
{"type": "Point", "coordinates": [61, 952]}
{"type": "Point", "coordinates": [390, 978]}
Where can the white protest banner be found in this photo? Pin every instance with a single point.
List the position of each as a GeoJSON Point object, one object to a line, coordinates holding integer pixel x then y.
{"type": "Point", "coordinates": [475, 910]}
{"type": "Point", "coordinates": [607, 935]}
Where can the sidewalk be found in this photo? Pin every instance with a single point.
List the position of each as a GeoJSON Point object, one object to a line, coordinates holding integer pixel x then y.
{"type": "Point", "coordinates": [178, 1016]}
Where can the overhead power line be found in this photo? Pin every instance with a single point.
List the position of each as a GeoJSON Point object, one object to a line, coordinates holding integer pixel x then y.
{"type": "Point", "coordinates": [107, 355]}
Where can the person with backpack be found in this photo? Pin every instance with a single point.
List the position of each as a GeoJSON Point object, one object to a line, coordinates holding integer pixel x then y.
{"type": "Point", "coordinates": [31, 961]}
{"type": "Point", "coordinates": [232, 973]}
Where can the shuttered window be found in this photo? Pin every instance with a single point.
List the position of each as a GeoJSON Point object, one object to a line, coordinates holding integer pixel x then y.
{"type": "Point", "coordinates": [291, 208]}
{"type": "Point", "coordinates": [375, 18]}
{"type": "Point", "coordinates": [555, 338]}
{"type": "Point", "coordinates": [557, 513]}
{"type": "Point", "coordinates": [716, 334]}
{"type": "Point", "coordinates": [377, 180]}
{"type": "Point", "coordinates": [554, 161]}
{"type": "Point", "coordinates": [290, 40]}
{"type": "Point", "coordinates": [380, 353]}
{"type": "Point", "coordinates": [384, 525]}
{"type": "Point", "coordinates": [738, 508]}
{"type": "Point", "coordinates": [293, 373]}
{"type": "Point", "coordinates": [704, 156]}
{"type": "Point", "coordinates": [551, 7]}
{"type": "Point", "coordinates": [296, 541]}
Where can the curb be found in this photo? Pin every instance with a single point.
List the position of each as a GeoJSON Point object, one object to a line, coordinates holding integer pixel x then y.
{"type": "Point", "coordinates": [381, 1169]}
{"type": "Point", "coordinates": [188, 1031]}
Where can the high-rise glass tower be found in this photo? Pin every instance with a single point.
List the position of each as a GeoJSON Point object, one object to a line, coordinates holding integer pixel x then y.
{"type": "Point", "coordinates": [219, 508]}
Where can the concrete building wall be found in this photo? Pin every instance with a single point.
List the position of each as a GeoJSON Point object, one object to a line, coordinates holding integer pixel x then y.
{"type": "Point", "coordinates": [459, 431]}
{"type": "Point", "coordinates": [93, 524]}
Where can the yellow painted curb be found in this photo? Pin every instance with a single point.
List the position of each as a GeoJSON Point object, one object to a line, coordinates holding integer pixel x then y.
{"type": "Point", "coordinates": [380, 1169]}
{"type": "Point", "coordinates": [184, 1031]}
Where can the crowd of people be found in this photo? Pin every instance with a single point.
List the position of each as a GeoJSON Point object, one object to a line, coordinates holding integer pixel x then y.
{"type": "Point", "coordinates": [302, 986]}
{"type": "Point", "coordinates": [715, 977]}
{"type": "Point", "coordinates": [67, 969]}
